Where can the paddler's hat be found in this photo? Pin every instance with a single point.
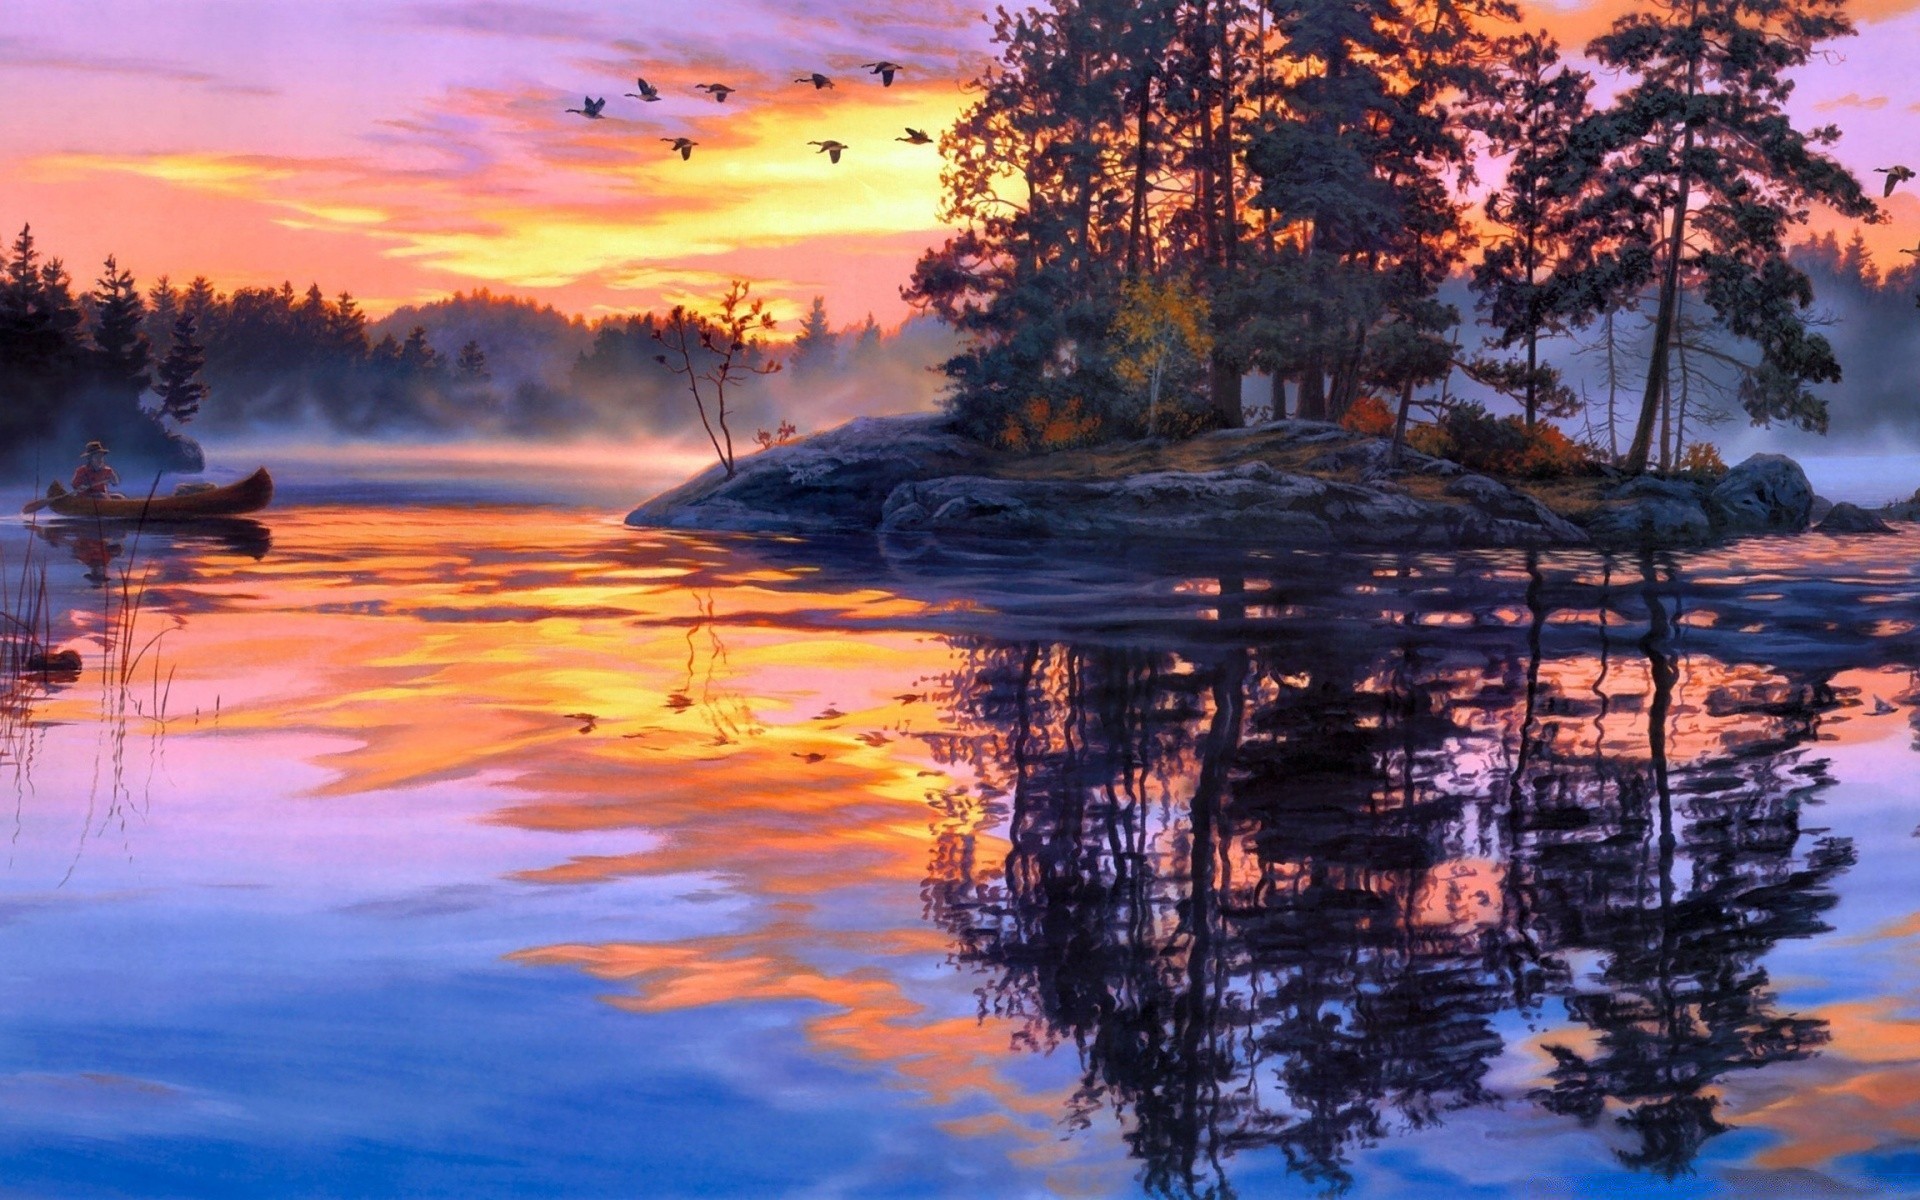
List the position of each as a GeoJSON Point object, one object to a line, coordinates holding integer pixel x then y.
{"type": "Point", "coordinates": [94, 448]}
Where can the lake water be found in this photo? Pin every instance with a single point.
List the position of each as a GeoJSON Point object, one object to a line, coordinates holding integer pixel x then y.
{"type": "Point", "coordinates": [475, 845]}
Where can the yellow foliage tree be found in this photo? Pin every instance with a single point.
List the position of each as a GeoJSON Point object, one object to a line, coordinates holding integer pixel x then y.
{"type": "Point", "coordinates": [1161, 325]}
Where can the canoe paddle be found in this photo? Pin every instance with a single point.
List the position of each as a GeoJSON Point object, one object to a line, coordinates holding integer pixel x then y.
{"type": "Point", "coordinates": [35, 505]}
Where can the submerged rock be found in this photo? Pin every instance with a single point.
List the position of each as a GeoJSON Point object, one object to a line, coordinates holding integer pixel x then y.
{"type": "Point", "coordinates": [1851, 518]}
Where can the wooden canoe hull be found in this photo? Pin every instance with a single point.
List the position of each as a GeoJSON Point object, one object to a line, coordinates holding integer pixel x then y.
{"type": "Point", "coordinates": [251, 494]}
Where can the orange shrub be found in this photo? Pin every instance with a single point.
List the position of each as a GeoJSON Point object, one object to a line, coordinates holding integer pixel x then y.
{"type": "Point", "coordinates": [1042, 424]}
{"type": "Point", "coordinates": [1476, 439]}
{"type": "Point", "coordinates": [1702, 461]}
{"type": "Point", "coordinates": [1548, 454]}
{"type": "Point", "coordinates": [1430, 439]}
{"type": "Point", "coordinates": [1369, 415]}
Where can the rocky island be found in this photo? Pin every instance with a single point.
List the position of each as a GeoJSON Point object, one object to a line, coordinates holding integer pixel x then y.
{"type": "Point", "coordinates": [1298, 483]}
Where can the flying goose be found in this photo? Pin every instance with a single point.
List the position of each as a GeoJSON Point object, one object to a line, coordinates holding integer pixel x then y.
{"type": "Point", "coordinates": [683, 145]}
{"type": "Point", "coordinates": [592, 110]}
{"type": "Point", "coordinates": [1895, 177]}
{"type": "Point", "coordinates": [915, 137]}
{"type": "Point", "coordinates": [830, 148]}
{"type": "Point", "coordinates": [719, 91]}
{"type": "Point", "coordinates": [647, 91]}
{"type": "Point", "coordinates": [884, 70]}
{"type": "Point", "coordinates": [817, 80]}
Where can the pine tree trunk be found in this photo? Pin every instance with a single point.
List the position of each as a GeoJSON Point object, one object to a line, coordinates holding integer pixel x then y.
{"type": "Point", "coordinates": [1137, 222]}
{"type": "Point", "coordinates": [1400, 423]}
{"type": "Point", "coordinates": [1224, 387]}
{"type": "Point", "coordinates": [1613, 390]}
{"type": "Point", "coordinates": [1533, 365]}
{"type": "Point", "coordinates": [1638, 452]}
{"type": "Point", "coordinates": [1313, 391]}
{"type": "Point", "coordinates": [1277, 397]}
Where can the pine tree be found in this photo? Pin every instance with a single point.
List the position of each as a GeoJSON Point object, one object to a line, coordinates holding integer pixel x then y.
{"type": "Point", "coordinates": [1705, 174]}
{"type": "Point", "coordinates": [472, 363]}
{"type": "Point", "coordinates": [179, 385]}
{"type": "Point", "coordinates": [347, 329]}
{"type": "Point", "coordinates": [163, 309]}
{"type": "Point", "coordinates": [118, 311]}
{"type": "Point", "coordinates": [416, 355]}
{"type": "Point", "coordinates": [814, 348]}
{"type": "Point", "coordinates": [1535, 112]}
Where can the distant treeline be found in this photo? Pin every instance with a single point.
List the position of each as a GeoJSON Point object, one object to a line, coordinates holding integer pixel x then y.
{"type": "Point", "coordinates": [1870, 317]}
{"type": "Point", "coordinates": [133, 366]}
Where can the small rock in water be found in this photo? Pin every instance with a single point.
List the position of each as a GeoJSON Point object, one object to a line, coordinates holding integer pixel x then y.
{"type": "Point", "coordinates": [1851, 518]}
{"type": "Point", "coordinates": [59, 662]}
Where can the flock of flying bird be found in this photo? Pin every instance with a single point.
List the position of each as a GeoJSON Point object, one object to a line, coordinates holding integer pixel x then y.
{"type": "Point", "coordinates": [594, 110]}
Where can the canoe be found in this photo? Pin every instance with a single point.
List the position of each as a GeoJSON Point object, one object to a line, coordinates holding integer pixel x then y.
{"type": "Point", "coordinates": [251, 494]}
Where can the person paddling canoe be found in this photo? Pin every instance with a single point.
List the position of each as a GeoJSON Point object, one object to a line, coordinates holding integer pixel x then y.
{"type": "Point", "coordinates": [93, 477]}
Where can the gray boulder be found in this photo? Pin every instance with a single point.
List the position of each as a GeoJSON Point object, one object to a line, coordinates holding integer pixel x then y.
{"type": "Point", "coordinates": [1644, 487]}
{"type": "Point", "coordinates": [833, 482]}
{"type": "Point", "coordinates": [1250, 502]}
{"type": "Point", "coordinates": [1768, 493]}
{"type": "Point", "coordinates": [1499, 503]}
{"type": "Point", "coordinates": [1851, 518]}
{"type": "Point", "coordinates": [1652, 519]}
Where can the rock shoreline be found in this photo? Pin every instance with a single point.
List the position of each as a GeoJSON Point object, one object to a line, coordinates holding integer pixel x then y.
{"type": "Point", "coordinates": [1292, 483]}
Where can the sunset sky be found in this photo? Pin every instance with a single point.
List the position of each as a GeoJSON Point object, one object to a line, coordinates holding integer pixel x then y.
{"type": "Point", "coordinates": [407, 150]}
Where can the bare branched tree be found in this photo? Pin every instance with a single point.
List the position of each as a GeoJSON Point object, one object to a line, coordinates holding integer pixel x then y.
{"type": "Point", "coordinates": [717, 350]}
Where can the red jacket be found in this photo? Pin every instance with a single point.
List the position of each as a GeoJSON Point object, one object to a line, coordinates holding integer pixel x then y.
{"type": "Point", "coordinates": [94, 481]}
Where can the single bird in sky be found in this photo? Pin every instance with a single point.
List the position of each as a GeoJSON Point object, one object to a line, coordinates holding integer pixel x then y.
{"type": "Point", "coordinates": [683, 145]}
{"type": "Point", "coordinates": [592, 110]}
{"type": "Point", "coordinates": [884, 70]}
{"type": "Point", "coordinates": [830, 148]}
{"type": "Point", "coordinates": [817, 80]}
{"type": "Point", "coordinates": [1895, 177]}
{"type": "Point", "coordinates": [647, 91]}
{"type": "Point", "coordinates": [915, 137]}
{"type": "Point", "coordinates": [719, 91]}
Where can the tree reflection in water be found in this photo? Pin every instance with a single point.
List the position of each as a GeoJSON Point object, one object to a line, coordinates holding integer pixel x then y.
{"type": "Point", "coordinates": [1277, 894]}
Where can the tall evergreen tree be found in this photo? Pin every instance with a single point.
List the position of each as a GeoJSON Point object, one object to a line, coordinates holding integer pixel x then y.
{"type": "Point", "coordinates": [1705, 176]}
{"type": "Point", "coordinates": [163, 308]}
{"type": "Point", "coordinates": [416, 354]}
{"type": "Point", "coordinates": [347, 328]}
{"type": "Point", "coordinates": [179, 385]}
{"type": "Point", "coordinates": [813, 348]}
{"type": "Point", "coordinates": [472, 363]}
{"type": "Point", "coordinates": [1355, 160]}
{"type": "Point", "coordinates": [1537, 106]}
{"type": "Point", "coordinates": [123, 351]}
